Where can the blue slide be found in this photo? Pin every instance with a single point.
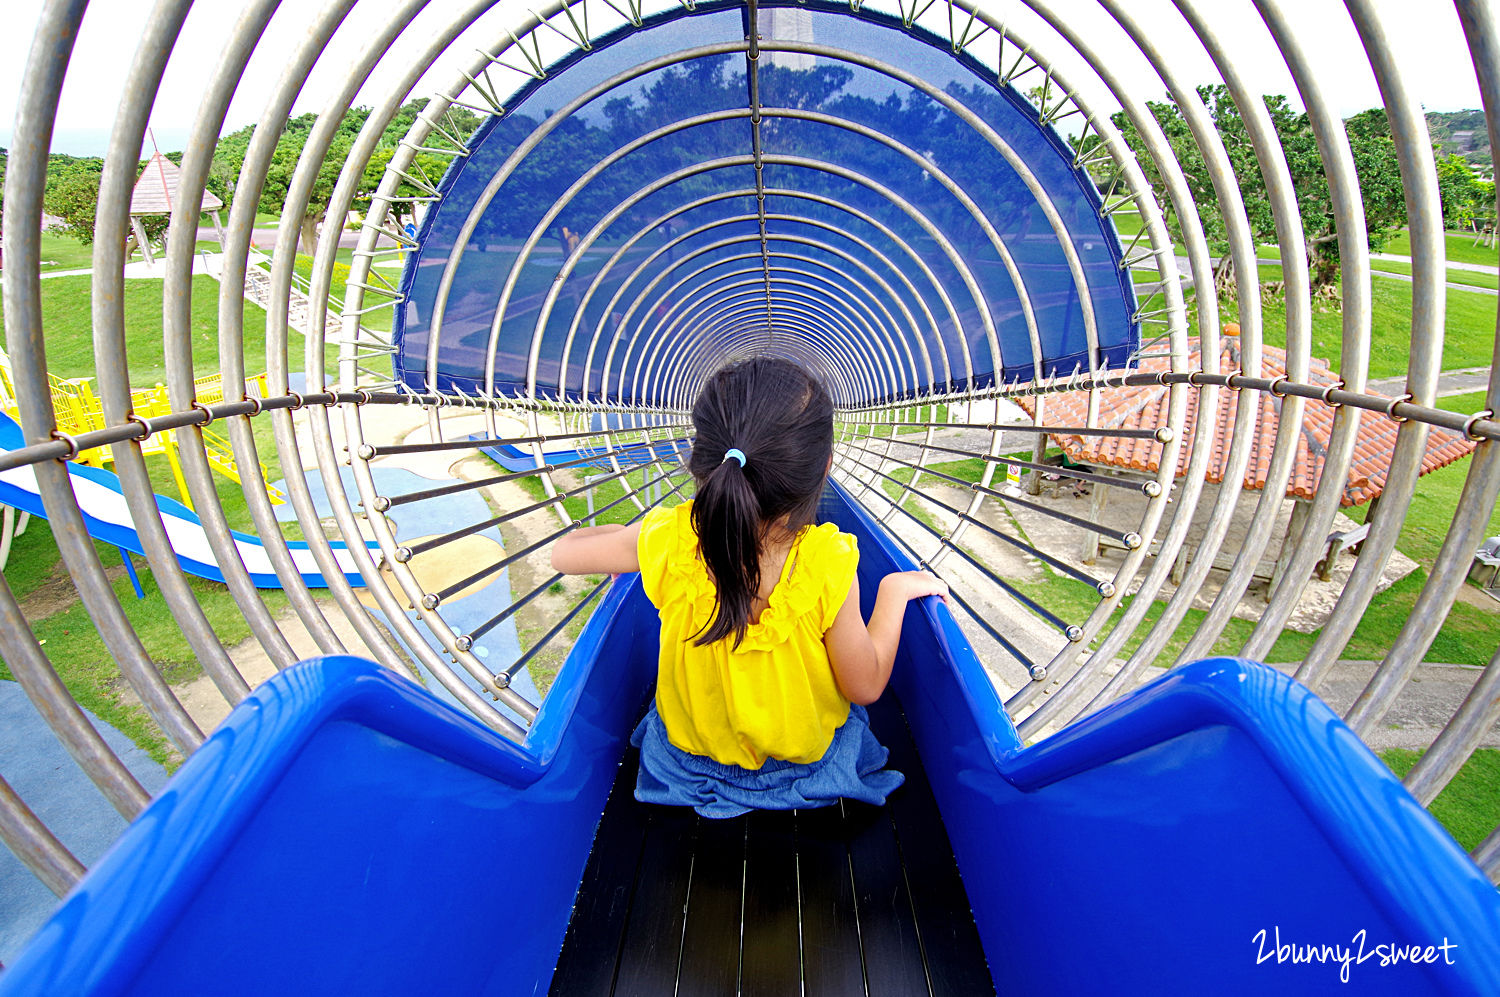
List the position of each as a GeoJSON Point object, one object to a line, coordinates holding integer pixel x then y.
{"type": "Point", "coordinates": [102, 501]}
{"type": "Point", "coordinates": [343, 832]}
{"type": "Point", "coordinates": [514, 458]}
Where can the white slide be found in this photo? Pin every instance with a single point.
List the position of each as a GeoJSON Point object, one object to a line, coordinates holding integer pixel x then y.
{"type": "Point", "coordinates": [107, 517]}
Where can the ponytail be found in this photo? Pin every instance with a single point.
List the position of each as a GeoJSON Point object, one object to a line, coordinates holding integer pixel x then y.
{"type": "Point", "coordinates": [726, 517]}
{"type": "Point", "coordinates": [763, 442]}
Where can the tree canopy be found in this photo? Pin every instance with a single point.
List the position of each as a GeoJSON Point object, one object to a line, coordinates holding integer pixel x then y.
{"type": "Point", "coordinates": [1374, 160]}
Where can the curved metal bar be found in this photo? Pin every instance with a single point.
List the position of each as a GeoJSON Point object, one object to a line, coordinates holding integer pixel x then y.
{"type": "Point", "coordinates": [483, 201]}
{"type": "Point", "coordinates": [780, 192]}
{"type": "Point", "coordinates": [299, 191]}
{"type": "Point", "coordinates": [322, 433]}
{"type": "Point", "coordinates": [180, 377]}
{"type": "Point", "coordinates": [38, 848]}
{"type": "Point", "coordinates": [833, 250]}
{"type": "Point", "coordinates": [666, 325]}
{"type": "Point", "coordinates": [26, 170]}
{"type": "Point", "coordinates": [182, 237]}
{"type": "Point", "coordinates": [814, 318]}
{"type": "Point", "coordinates": [864, 300]}
{"type": "Point", "coordinates": [111, 227]}
{"type": "Point", "coordinates": [689, 373]}
{"type": "Point", "coordinates": [252, 177]}
{"type": "Point", "coordinates": [1242, 251]}
{"type": "Point", "coordinates": [1481, 709]}
{"type": "Point", "coordinates": [588, 176]}
{"type": "Point", "coordinates": [1187, 497]}
{"type": "Point", "coordinates": [815, 326]}
{"type": "Point", "coordinates": [703, 295]}
{"type": "Point", "coordinates": [647, 289]}
{"type": "Point", "coordinates": [1354, 259]}
{"type": "Point", "coordinates": [522, 150]}
{"type": "Point", "coordinates": [732, 313]}
{"type": "Point", "coordinates": [30, 667]}
{"type": "Point", "coordinates": [1042, 198]}
{"type": "Point", "coordinates": [970, 282]}
{"type": "Point", "coordinates": [1278, 182]}
{"type": "Point", "coordinates": [1429, 274]}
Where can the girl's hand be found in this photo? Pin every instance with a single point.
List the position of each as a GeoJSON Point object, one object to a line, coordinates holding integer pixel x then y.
{"type": "Point", "coordinates": [908, 585]}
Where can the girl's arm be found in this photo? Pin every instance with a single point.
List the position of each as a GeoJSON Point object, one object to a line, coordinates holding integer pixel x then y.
{"type": "Point", "coordinates": [862, 654]}
{"type": "Point", "coordinates": [598, 550]}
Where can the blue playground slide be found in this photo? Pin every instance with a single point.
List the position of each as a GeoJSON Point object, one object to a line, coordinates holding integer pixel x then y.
{"type": "Point", "coordinates": [101, 498]}
{"type": "Point", "coordinates": [343, 832]}
{"type": "Point", "coordinates": [514, 458]}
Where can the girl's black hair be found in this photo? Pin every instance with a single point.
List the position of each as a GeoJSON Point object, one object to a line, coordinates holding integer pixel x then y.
{"type": "Point", "coordinates": [781, 418]}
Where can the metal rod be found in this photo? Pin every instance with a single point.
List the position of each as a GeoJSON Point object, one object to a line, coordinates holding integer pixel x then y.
{"type": "Point", "coordinates": [38, 848]}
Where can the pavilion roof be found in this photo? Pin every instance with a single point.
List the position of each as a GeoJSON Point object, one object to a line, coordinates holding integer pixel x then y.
{"type": "Point", "coordinates": [1145, 407]}
{"type": "Point", "coordinates": [155, 190]}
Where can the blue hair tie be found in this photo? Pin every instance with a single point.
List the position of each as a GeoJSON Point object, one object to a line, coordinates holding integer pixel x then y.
{"type": "Point", "coordinates": [737, 454]}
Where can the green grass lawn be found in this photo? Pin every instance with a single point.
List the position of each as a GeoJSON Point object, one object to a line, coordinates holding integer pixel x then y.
{"type": "Point", "coordinates": [1468, 403]}
{"type": "Point", "coordinates": [1469, 806]}
{"type": "Point", "coordinates": [1472, 278]}
{"type": "Point", "coordinates": [1461, 248]}
{"type": "Point", "coordinates": [1468, 337]}
{"type": "Point", "coordinates": [63, 252]}
{"type": "Point", "coordinates": [68, 327]}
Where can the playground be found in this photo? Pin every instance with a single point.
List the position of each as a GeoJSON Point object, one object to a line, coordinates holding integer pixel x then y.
{"type": "Point", "coordinates": [287, 667]}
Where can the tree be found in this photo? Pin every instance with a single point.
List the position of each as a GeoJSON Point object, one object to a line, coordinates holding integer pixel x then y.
{"type": "Point", "coordinates": [1465, 196]}
{"type": "Point", "coordinates": [1375, 164]}
{"type": "Point", "coordinates": [229, 158]}
{"type": "Point", "coordinates": [72, 194]}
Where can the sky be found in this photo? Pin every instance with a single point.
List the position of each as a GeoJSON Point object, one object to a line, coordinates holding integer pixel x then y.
{"type": "Point", "coordinates": [1424, 34]}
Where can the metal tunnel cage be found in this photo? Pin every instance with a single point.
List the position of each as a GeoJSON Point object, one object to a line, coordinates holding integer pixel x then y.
{"type": "Point", "coordinates": [922, 289]}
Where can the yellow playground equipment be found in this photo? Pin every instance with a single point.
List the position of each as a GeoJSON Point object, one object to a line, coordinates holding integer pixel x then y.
{"type": "Point", "coordinates": [79, 410]}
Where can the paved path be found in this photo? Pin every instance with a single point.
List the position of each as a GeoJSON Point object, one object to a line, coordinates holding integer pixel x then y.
{"type": "Point", "coordinates": [41, 771]}
{"type": "Point", "coordinates": [1450, 382]}
{"type": "Point", "coordinates": [1185, 270]}
{"type": "Point", "coordinates": [1452, 264]}
{"type": "Point", "coordinates": [1451, 285]}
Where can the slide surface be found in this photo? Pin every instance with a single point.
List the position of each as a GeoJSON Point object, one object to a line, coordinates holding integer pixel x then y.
{"type": "Point", "coordinates": [514, 458]}
{"type": "Point", "coordinates": [102, 501]}
{"type": "Point", "coordinates": [1218, 831]}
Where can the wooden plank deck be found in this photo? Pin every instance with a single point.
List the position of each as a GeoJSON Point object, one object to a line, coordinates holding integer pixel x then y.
{"type": "Point", "coordinates": [843, 900]}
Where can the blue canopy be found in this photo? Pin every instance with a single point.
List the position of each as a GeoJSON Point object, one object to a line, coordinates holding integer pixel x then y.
{"type": "Point", "coordinates": [856, 197]}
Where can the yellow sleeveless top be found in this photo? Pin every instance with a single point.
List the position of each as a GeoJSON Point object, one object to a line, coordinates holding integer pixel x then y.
{"type": "Point", "coordinates": [775, 695]}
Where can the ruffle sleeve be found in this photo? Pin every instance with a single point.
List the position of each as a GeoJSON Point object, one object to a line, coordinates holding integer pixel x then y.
{"type": "Point", "coordinates": [834, 560]}
{"type": "Point", "coordinates": [660, 548]}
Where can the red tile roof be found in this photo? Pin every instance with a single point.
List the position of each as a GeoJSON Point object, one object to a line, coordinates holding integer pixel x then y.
{"type": "Point", "coordinates": [1146, 408]}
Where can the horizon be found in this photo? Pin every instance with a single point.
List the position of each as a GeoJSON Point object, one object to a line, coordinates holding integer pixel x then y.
{"type": "Point", "coordinates": [1431, 50]}
{"type": "Point", "coordinates": [93, 143]}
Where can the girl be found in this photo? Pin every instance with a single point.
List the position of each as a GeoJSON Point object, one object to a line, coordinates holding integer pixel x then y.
{"type": "Point", "coordinates": [765, 661]}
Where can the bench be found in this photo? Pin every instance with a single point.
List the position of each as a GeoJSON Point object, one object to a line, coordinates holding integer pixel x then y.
{"type": "Point", "coordinates": [1336, 544]}
{"type": "Point", "coordinates": [1487, 556]}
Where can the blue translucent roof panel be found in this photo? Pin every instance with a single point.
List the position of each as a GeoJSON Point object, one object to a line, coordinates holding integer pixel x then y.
{"type": "Point", "coordinates": [909, 230]}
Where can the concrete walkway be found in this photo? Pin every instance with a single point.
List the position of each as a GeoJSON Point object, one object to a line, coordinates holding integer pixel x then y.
{"type": "Point", "coordinates": [41, 771]}
{"type": "Point", "coordinates": [1452, 264]}
{"type": "Point", "coordinates": [1450, 382]}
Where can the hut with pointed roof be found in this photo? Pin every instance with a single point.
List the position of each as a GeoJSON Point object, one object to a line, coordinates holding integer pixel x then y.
{"type": "Point", "coordinates": [155, 193]}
